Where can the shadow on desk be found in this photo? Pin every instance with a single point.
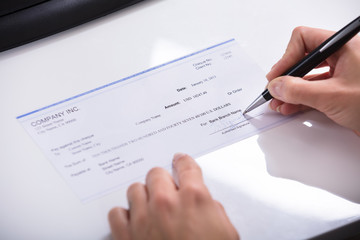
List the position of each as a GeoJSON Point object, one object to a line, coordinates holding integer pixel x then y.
{"type": "Point", "coordinates": [315, 151]}
{"type": "Point", "coordinates": [347, 232]}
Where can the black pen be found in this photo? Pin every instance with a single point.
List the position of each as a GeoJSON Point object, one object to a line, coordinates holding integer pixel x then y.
{"type": "Point", "coordinates": [313, 59]}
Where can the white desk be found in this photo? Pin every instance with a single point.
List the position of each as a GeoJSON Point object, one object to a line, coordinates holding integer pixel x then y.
{"type": "Point", "coordinates": [291, 182]}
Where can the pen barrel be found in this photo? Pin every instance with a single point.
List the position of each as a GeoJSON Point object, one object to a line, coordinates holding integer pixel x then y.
{"type": "Point", "coordinates": [266, 95]}
{"type": "Point", "coordinates": [311, 61]}
{"type": "Point", "coordinates": [327, 48]}
{"type": "Point", "coordinates": [314, 58]}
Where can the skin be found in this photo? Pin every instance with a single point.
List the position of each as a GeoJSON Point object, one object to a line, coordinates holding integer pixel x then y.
{"type": "Point", "coordinates": [160, 209]}
{"type": "Point", "coordinates": [335, 93]}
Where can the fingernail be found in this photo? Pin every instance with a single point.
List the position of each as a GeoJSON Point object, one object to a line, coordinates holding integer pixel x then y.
{"type": "Point", "coordinates": [177, 156]}
{"type": "Point", "coordinates": [275, 87]}
{"type": "Point", "coordinates": [278, 108]}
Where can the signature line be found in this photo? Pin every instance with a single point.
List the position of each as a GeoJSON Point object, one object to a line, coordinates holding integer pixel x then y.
{"type": "Point", "coordinates": [235, 124]}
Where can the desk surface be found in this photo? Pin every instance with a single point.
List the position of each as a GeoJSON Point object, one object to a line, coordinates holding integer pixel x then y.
{"type": "Point", "coordinates": [291, 182]}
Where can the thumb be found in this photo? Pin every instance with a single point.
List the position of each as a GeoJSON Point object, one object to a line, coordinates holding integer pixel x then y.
{"type": "Point", "coordinates": [296, 90]}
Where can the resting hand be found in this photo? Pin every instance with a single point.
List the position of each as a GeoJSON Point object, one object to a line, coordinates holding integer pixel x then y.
{"type": "Point", "coordinates": [161, 210]}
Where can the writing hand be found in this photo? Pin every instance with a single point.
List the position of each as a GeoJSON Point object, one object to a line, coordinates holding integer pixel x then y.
{"type": "Point", "coordinates": [336, 93]}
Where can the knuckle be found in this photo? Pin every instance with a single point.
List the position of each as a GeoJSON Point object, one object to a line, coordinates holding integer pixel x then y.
{"type": "Point", "coordinates": [197, 193]}
{"type": "Point", "coordinates": [191, 170]}
{"type": "Point", "coordinates": [299, 30]}
{"type": "Point", "coordinates": [140, 219]}
{"type": "Point", "coordinates": [162, 201]}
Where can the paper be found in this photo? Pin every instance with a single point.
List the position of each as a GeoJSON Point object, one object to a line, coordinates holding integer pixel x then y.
{"type": "Point", "coordinates": [110, 137]}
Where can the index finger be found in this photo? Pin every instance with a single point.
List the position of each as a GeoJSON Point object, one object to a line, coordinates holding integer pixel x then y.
{"type": "Point", "coordinates": [158, 181]}
{"type": "Point", "coordinates": [187, 171]}
{"type": "Point", "coordinates": [303, 40]}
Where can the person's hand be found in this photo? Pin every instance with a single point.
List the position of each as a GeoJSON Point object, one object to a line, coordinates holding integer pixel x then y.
{"type": "Point", "coordinates": [162, 210]}
{"type": "Point", "coordinates": [336, 93]}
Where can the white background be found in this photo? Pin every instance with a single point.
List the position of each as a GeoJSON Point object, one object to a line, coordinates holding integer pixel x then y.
{"type": "Point", "coordinates": [291, 182]}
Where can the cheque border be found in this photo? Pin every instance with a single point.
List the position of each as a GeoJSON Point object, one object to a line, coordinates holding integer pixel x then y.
{"type": "Point", "coordinates": [123, 79]}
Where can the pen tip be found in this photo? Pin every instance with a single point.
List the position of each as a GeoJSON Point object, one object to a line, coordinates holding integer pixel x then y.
{"type": "Point", "coordinates": [245, 112]}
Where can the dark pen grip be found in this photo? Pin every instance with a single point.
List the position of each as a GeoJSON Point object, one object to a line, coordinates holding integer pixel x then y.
{"type": "Point", "coordinates": [322, 52]}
